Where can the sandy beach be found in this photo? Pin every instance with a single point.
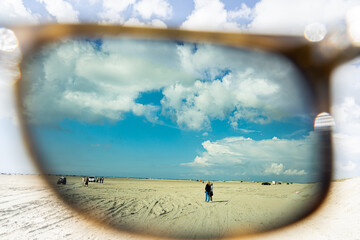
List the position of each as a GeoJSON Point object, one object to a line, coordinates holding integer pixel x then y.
{"type": "Point", "coordinates": [176, 208]}
{"type": "Point", "coordinates": [157, 207]}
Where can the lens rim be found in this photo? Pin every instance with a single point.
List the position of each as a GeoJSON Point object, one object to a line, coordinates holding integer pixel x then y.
{"type": "Point", "coordinates": [295, 49]}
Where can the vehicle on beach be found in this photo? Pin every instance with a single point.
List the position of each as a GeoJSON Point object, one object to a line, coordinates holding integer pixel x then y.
{"type": "Point", "coordinates": [265, 183]}
{"type": "Point", "coordinates": [92, 179]}
{"type": "Point", "coordinates": [61, 180]}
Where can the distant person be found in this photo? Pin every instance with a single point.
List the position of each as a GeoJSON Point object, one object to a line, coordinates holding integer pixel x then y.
{"type": "Point", "coordinates": [87, 182]}
{"type": "Point", "coordinates": [83, 181]}
{"type": "Point", "coordinates": [102, 179]}
{"type": "Point", "coordinates": [211, 191]}
{"type": "Point", "coordinates": [207, 191]}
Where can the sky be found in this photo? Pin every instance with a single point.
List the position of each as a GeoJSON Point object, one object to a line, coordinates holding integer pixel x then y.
{"type": "Point", "coordinates": [210, 139]}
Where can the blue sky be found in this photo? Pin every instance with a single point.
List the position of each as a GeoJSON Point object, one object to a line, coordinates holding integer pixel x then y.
{"type": "Point", "coordinates": [204, 128]}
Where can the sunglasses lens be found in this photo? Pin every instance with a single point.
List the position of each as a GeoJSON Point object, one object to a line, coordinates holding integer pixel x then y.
{"type": "Point", "coordinates": [138, 127]}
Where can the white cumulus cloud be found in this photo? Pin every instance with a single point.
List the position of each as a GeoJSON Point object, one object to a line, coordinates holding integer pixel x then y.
{"type": "Point", "coordinates": [62, 10]}
{"type": "Point", "coordinates": [135, 13]}
{"type": "Point", "coordinates": [14, 12]}
{"type": "Point", "coordinates": [92, 85]}
{"type": "Point", "coordinates": [292, 16]}
{"type": "Point", "coordinates": [242, 13]}
{"type": "Point", "coordinates": [346, 111]}
{"type": "Point", "coordinates": [212, 15]}
{"type": "Point", "coordinates": [240, 85]}
{"type": "Point", "coordinates": [273, 156]}
{"type": "Point", "coordinates": [158, 8]}
{"type": "Point", "coordinates": [274, 169]}
{"type": "Point", "coordinates": [113, 11]}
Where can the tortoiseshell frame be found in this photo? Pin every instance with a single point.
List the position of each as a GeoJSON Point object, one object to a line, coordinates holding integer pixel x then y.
{"type": "Point", "coordinates": [315, 60]}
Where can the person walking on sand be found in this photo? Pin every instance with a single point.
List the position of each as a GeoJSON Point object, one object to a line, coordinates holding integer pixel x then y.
{"type": "Point", "coordinates": [211, 191]}
{"type": "Point", "coordinates": [207, 191]}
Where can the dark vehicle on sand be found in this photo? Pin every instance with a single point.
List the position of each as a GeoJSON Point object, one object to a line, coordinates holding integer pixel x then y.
{"type": "Point", "coordinates": [61, 180]}
{"type": "Point", "coordinates": [265, 183]}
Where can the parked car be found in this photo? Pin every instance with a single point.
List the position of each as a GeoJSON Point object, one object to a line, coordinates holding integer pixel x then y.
{"type": "Point", "coordinates": [265, 183]}
{"type": "Point", "coordinates": [92, 179]}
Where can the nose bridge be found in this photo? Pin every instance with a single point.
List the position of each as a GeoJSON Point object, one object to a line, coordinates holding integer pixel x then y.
{"type": "Point", "coordinates": [320, 67]}
{"type": "Point", "coordinates": [317, 62]}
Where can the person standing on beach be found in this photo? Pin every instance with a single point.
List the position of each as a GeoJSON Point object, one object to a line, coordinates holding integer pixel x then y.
{"type": "Point", "coordinates": [207, 191]}
{"type": "Point", "coordinates": [211, 192]}
{"type": "Point", "coordinates": [87, 181]}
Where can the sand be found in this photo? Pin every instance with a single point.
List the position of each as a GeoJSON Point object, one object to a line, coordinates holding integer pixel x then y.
{"type": "Point", "coordinates": [28, 208]}
{"type": "Point", "coordinates": [176, 208]}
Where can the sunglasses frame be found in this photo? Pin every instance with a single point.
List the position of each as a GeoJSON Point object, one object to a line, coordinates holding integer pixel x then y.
{"type": "Point", "coordinates": [315, 60]}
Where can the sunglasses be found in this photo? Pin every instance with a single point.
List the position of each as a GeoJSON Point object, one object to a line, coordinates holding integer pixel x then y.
{"type": "Point", "coordinates": [180, 134]}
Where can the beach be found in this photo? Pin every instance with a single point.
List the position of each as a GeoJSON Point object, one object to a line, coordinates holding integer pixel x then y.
{"type": "Point", "coordinates": [172, 208]}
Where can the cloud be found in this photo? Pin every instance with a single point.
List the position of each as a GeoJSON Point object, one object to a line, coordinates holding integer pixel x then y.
{"type": "Point", "coordinates": [131, 12]}
{"type": "Point", "coordinates": [93, 85]}
{"type": "Point", "coordinates": [6, 104]}
{"type": "Point", "coordinates": [14, 12]}
{"type": "Point", "coordinates": [127, 12]}
{"type": "Point", "coordinates": [292, 16]}
{"type": "Point", "coordinates": [196, 105]}
{"type": "Point", "coordinates": [237, 155]}
{"type": "Point", "coordinates": [349, 166]}
{"type": "Point", "coordinates": [269, 16]}
{"type": "Point", "coordinates": [101, 81]}
{"type": "Point", "coordinates": [62, 10]}
{"type": "Point", "coordinates": [158, 23]}
{"type": "Point", "coordinates": [149, 8]}
{"type": "Point", "coordinates": [238, 85]}
{"type": "Point", "coordinates": [212, 15]}
{"type": "Point", "coordinates": [347, 153]}
{"type": "Point", "coordinates": [275, 169]}
{"type": "Point", "coordinates": [113, 11]}
{"type": "Point", "coordinates": [353, 22]}
{"type": "Point", "coordinates": [346, 111]}
{"type": "Point", "coordinates": [243, 13]}
{"type": "Point", "coordinates": [14, 157]}
{"type": "Point", "coordinates": [136, 22]}
{"type": "Point", "coordinates": [295, 172]}
{"type": "Point", "coordinates": [9, 74]}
